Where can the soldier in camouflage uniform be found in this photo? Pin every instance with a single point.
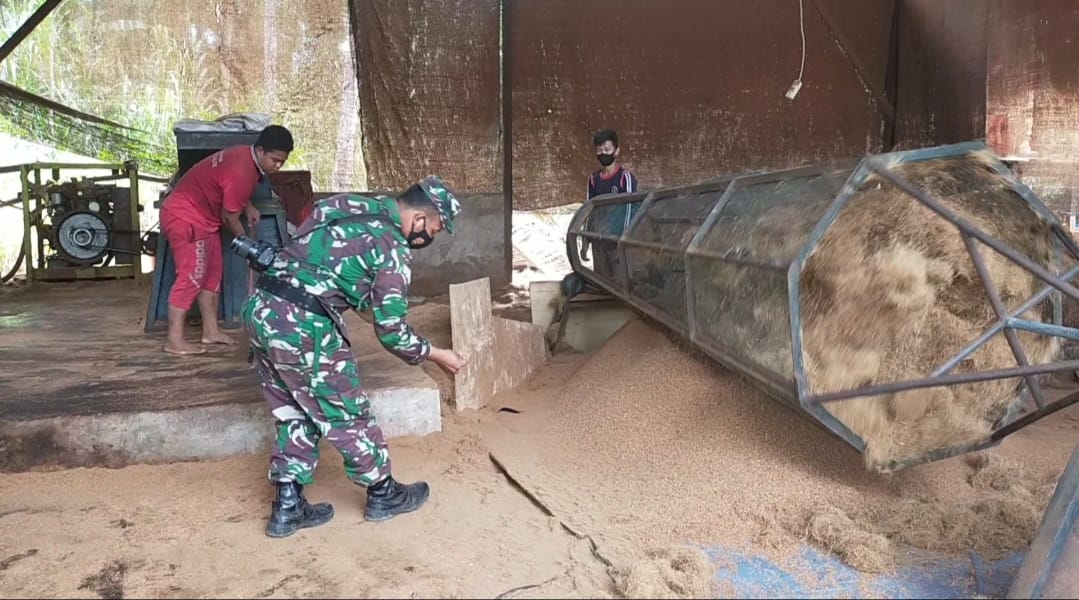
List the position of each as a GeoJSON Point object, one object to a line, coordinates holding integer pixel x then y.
{"type": "Point", "coordinates": [353, 252]}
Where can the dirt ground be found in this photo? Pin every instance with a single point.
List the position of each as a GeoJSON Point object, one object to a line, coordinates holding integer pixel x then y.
{"type": "Point", "coordinates": [195, 530]}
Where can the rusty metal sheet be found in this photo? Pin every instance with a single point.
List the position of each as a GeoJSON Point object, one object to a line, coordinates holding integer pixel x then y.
{"type": "Point", "coordinates": [942, 72]}
{"type": "Point", "coordinates": [695, 88]}
{"type": "Point", "coordinates": [429, 79]}
{"type": "Point", "coordinates": [1033, 93]}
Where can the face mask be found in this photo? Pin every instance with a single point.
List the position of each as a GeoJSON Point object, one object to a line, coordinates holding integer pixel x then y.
{"type": "Point", "coordinates": [423, 238]}
{"type": "Point", "coordinates": [605, 159]}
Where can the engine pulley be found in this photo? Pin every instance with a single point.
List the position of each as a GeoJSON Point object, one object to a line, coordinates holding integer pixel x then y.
{"type": "Point", "coordinates": [83, 237]}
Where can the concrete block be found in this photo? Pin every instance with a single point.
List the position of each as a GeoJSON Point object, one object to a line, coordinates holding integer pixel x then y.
{"type": "Point", "coordinates": [407, 411]}
{"type": "Point", "coordinates": [499, 353]}
{"type": "Point", "coordinates": [544, 298]}
{"type": "Point", "coordinates": [519, 349]}
{"type": "Point", "coordinates": [591, 320]}
{"type": "Point", "coordinates": [478, 248]}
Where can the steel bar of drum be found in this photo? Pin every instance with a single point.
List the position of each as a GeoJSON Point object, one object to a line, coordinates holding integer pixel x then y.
{"type": "Point", "coordinates": [1002, 314]}
{"type": "Point", "coordinates": [1044, 328]}
{"type": "Point", "coordinates": [995, 328]}
{"type": "Point", "coordinates": [694, 244]}
{"type": "Point", "coordinates": [654, 246]}
{"type": "Point", "coordinates": [794, 278]}
{"type": "Point", "coordinates": [647, 203]}
{"type": "Point", "coordinates": [774, 266]}
{"type": "Point", "coordinates": [1025, 420]}
{"type": "Point", "coordinates": [927, 382]}
{"type": "Point", "coordinates": [969, 228]}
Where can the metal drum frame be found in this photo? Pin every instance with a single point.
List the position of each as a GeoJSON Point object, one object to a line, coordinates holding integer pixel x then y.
{"type": "Point", "coordinates": [794, 392]}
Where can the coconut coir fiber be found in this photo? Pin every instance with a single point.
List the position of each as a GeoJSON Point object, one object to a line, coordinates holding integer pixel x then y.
{"type": "Point", "coordinates": [644, 445]}
{"type": "Point", "coordinates": [892, 293]}
{"type": "Point", "coordinates": [1001, 519]}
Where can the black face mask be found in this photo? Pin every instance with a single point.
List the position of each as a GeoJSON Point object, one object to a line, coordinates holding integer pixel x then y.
{"type": "Point", "coordinates": [605, 159]}
{"type": "Point", "coordinates": [420, 236]}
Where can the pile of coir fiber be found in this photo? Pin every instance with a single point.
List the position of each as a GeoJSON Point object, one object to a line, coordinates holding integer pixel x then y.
{"type": "Point", "coordinates": [891, 293]}
{"type": "Point", "coordinates": [1003, 518]}
{"type": "Point", "coordinates": [673, 572]}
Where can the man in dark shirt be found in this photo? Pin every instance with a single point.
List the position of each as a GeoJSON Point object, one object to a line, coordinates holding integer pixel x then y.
{"type": "Point", "coordinates": [613, 220]}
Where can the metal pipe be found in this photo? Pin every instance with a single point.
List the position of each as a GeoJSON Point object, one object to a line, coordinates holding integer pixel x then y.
{"type": "Point", "coordinates": [1044, 328]}
{"type": "Point", "coordinates": [943, 380]}
{"type": "Point", "coordinates": [1002, 314]}
{"type": "Point", "coordinates": [995, 328]}
{"type": "Point", "coordinates": [1025, 420]}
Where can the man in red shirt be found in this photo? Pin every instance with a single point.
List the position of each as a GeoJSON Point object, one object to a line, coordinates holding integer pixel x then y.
{"type": "Point", "coordinates": [213, 193]}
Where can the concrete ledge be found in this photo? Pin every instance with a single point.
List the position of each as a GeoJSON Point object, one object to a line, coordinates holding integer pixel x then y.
{"type": "Point", "coordinates": [199, 433]}
{"type": "Point", "coordinates": [110, 397]}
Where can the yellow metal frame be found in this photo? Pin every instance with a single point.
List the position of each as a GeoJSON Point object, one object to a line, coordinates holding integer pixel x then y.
{"type": "Point", "coordinates": [128, 170]}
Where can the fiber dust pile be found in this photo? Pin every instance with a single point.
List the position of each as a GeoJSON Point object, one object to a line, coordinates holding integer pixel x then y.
{"type": "Point", "coordinates": [643, 446]}
{"type": "Point", "coordinates": [891, 293]}
{"type": "Point", "coordinates": [1002, 519]}
{"type": "Point", "coordinates": [676, 572]}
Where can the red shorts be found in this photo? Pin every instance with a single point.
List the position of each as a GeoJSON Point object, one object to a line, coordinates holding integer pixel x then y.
{"type": "Point", "coordinates": [198, 261]}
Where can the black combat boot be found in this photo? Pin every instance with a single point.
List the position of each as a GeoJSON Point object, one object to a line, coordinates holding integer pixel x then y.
{"type": "Point", "coordinates": [388, 498]}
{"type": "Point", "coordinates": [291, 511]}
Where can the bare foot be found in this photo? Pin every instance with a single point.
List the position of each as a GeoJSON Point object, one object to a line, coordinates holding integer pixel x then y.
{"type": "Point", "coordinates": [184, 348]}
{"type": "Point", "coordinates": [218, 338]}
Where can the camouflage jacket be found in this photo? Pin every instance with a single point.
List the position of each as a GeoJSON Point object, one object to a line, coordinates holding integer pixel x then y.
{"type": "Point", "coordinates": [359, 264]}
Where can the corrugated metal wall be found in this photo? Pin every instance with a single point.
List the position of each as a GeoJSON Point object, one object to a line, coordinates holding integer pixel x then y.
{"type": "Point", "coordinates": [942, 69]}
{"type": "Point", "coordinates": [1033, 94]}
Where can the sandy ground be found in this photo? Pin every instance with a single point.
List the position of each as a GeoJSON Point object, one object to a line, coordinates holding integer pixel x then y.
{"type": "Point", "coordinates": [195, 530]}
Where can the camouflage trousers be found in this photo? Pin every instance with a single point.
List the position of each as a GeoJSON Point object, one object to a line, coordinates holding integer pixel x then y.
{"type": "Point", "coordinates": [312, 385]}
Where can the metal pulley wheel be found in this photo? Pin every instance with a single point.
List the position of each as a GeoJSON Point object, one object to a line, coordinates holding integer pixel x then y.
{"type": "Point", "coordinates": [83, 237]}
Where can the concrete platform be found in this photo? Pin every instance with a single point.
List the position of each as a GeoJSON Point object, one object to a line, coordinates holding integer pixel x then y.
{"type": "Point", "coordinates": [82, 385]}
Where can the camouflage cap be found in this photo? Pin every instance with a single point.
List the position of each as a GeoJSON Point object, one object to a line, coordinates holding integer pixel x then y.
{"type": "Point", "coordinates": [443, 198]}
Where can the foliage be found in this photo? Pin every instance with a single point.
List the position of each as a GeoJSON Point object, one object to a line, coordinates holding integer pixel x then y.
{"type": "Point", "coordinates": [148, 63]}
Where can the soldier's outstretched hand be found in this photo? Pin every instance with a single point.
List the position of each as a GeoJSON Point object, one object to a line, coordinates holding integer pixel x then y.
{"type": "Point", "coordinates": [447, 360]}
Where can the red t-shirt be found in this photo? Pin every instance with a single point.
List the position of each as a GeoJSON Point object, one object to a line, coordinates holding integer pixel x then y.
{"type": "Point", "coordinates": [224, 180]}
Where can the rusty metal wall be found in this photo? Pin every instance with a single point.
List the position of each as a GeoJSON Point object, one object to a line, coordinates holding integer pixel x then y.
{"type": "Point", "coordinates": [694, 87]}
{"type": "Point", "coordinates": [1034, 78]}
{"type": "Point", "coordinates": [429, 79]}
{"type": "Point", "coordinates": [1033, 94]}
{"type": "Point", "coordinates": [941, 72]}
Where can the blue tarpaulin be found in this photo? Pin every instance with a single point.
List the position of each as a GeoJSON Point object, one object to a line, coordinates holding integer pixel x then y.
{"type": "Point", "coordinates": [813, 574]}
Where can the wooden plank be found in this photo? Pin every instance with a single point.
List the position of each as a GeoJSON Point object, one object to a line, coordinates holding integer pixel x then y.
{"type": "Point", "coordinates": [499, 353]}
